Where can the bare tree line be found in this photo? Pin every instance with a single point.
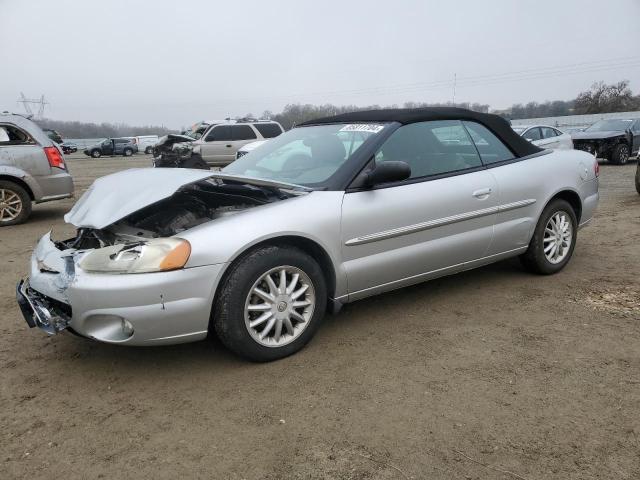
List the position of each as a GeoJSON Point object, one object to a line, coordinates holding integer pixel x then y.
{"type": "Point", "coordinates": [600, 98]}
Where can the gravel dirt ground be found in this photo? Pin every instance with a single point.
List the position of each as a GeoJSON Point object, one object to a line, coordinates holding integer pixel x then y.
{"type": "Point", "coordinates": [489, 374]}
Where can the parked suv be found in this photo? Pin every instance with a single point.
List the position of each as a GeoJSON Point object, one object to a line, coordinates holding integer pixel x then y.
{"type": "Point", "coordinates": [220, 142]}
{"type": "Point", "coordinates": [112, 146]}
{"type": "Point", "coordinates": [32, 169]}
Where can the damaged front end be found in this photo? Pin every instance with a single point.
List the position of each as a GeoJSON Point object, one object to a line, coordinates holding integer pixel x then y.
{"type": "Point", "coordinates": [51, 272]}
{"type": "Point", "coordinates": [126, 268]}
{"type": "Point", "coordinates": [172, 151]}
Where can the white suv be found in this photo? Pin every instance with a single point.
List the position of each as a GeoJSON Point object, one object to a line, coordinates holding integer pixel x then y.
{"type": "Point", "coordinates": [220, 142]}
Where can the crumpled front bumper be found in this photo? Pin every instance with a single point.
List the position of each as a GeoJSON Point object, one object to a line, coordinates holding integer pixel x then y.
{"type": "Point", "coordinates": [40, 311]}
{"type": "Point", "coordinates": [133, 309]}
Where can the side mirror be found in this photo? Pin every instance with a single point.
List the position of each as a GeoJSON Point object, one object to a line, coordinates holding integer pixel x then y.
{"type": "Point", "coordinates": [387, 172]}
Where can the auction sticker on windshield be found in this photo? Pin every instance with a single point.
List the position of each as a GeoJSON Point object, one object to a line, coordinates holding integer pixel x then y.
{"type": "Point", "coordinates": [362, 127]}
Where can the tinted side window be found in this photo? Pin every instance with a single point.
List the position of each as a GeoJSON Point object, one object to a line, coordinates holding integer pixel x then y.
{"type": "Point", "coordinates": [533, 134]}
{"type": "Point", "coordinates": [219, 134]}
{"type": "Point", "coordinates": [242, 132]}
{"type": "Point", "coordinates": [548, 132]}
{"type": "Point", "coordinates": [431, 148]}
{"type": "Point", "coordinates": [268, 130]}
{"type": "Point", "coordinates": [491, 149]}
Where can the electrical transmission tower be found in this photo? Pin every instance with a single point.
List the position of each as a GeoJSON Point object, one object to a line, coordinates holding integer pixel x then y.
{"type": "Point", "coordinates": [28, 102]}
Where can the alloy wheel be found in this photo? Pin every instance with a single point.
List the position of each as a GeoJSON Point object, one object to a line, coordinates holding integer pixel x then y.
{"type": "Point", "coordinates": [10, 205]}
{"type": "Point", "coordinates": [558, 235]}
{"type": "Point", "coordinates": [624, 154]}
{"type": "Point", "coordinates": [279, 306]}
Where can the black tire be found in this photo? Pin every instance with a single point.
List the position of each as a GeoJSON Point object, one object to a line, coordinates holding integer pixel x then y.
{"type": "Point", "coordinates": [127, 152]}
{"type": "Point", "coordinates": [228, 313]}
{"type": "Point", "coordinates": [638, 176]}
{"type": "Point", "coordinates": [620, 154]}
{"type": "Point", "coordinates": [195, 162]}
{"type": "Point", "coordinates": [534, 258]}
{"type": "Point", "coordinates": [148, 150]}
{"type": "Point", "coordinates": [96, 153]}
{"type": "Point", "coordinates": [25, 203]}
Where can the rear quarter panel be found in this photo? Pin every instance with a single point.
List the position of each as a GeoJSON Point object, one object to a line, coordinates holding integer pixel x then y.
{"type": "Point", "coordinates": [538, 179]}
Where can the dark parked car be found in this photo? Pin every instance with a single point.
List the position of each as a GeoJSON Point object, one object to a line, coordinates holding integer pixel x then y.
{"type": "Point", "coordinates": [112, 146]}
{"type": "Point", "coordinates": [614, 140]}
{"type": "Point", "coordinates": [68, 148]}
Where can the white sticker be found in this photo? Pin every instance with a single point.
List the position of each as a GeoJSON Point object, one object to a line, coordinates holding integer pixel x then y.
{"type": "Point", "coordinates": [362, 127]}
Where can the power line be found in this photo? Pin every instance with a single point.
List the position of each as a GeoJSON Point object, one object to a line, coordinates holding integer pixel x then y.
{"type": "Point", "coordinates": [472, 81]}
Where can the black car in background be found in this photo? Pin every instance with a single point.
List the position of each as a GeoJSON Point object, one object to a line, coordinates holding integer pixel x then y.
{"type": "Point", "coordinates": [68, 148]}
{"type": "Point", "coordinates": [615, 140]}
{"type": "Point", "coordinates": [112, 146]}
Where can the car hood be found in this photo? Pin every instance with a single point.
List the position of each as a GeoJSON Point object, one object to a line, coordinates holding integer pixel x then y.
{"type": "Point", "coordinates": [595, 135]}
{"type": "Point", "coordinates": [115, 196]}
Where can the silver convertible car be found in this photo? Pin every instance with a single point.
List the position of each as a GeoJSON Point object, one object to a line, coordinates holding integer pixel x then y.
{"type": "Point", "coordinates": [333, 211]}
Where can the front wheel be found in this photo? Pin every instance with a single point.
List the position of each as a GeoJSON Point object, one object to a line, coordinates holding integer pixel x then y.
{"type": "Point", "coordinates": [127, 152]}
{"type": "Point", "coordinates": [553, 239]}
{"type": "Point", "coordinates": [620, 154]}
{"type": "Point", "coordinates": [96, 153]}
{"type": "Point", "coordinates": [271, 303]}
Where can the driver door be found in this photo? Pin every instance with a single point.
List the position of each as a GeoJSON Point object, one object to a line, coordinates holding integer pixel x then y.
{"type": "Point", "coordinates": [435, 222]}
{"type": "Point", "coordinates": [217, 145]}
{"type": "Point", "coordinates": [107, 147]}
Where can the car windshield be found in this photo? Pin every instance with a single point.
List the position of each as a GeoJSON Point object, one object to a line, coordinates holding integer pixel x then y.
{"type": "Point", "coordinates": [610, 125]}
{"type": "Point", "coordinates": [307, 156]}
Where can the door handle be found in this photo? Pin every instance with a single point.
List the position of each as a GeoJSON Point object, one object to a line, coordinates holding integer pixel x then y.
{"type": "Point", "coordinates": [229, 146]}
{"type": "Point", "coordinates": [482, 193]}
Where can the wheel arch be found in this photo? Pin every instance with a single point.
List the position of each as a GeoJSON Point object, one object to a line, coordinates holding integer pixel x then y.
{"type": "Point", "coordinates": [571, 197]}
{"type": "Point", "coordinates": [20, 182]}
{"type": "Point", "coordinates": [307, 245]}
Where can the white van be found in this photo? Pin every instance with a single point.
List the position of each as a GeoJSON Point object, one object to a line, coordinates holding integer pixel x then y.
{"type": "Point", "coordinates": [145, 143]}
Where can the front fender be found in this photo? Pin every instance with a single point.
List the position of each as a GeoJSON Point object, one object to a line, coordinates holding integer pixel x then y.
{"type": "Point", "coordinates": [315, 217]}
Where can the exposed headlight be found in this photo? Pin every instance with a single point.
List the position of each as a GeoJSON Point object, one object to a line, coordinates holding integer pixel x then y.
{"type": "Point", "coordinates": [196, 149]}
{"type": "Point", "coordinates": [157, 255]}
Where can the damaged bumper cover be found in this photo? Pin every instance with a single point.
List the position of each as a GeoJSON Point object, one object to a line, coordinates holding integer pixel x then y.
{"type": "Point", "coordinates": [41, 311]}
{"type": "Point", "coordinates": [133, 309]}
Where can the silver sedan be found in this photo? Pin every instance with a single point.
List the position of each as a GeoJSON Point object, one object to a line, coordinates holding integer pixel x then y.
{"type": "Point", "coordinates": [333, 211]}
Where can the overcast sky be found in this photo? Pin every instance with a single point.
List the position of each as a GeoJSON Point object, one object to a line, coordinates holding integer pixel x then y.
{"type": "Point", "coordinates": [175, 62]}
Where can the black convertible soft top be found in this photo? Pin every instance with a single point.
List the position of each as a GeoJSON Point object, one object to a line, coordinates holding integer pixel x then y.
{"type": "Point", "coordinates": [498, 125]}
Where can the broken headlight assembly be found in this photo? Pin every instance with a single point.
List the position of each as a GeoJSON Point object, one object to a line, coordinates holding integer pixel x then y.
{"type": "Point", "coordinates": [156, 255]}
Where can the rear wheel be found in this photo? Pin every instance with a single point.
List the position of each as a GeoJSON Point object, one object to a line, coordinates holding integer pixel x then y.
{"type": "Point", "coordinates": [620, 154]}
{"type": "Point", "coordinates": [148, 150]}
{"type": "Point", "coordinates": [638, 177]}
{"type": "Point", "coordinates": [96, 153]}
{"type": "Point", "coordinates": [127, 152]}
{"type": "Point", "coordinates": [15, 204]}
{"type": "Point", "coordinates": [271, 303]}
{"type": "Point", "coordinates": [553, 240]}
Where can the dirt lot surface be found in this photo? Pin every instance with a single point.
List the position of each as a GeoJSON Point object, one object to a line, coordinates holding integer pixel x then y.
{"type": "Point", "coordinates": [489, 374]}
